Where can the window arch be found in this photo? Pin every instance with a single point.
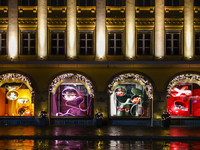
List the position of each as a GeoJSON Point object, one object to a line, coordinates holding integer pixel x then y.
{"type": "Point", "coordinates": [130, 96]}
{"type": "Point", "coordinates": [71, 96]}
{"type": "Point", "coordinates": [16, 95]}
{"type": "Point", "coordinates": [183, 98]}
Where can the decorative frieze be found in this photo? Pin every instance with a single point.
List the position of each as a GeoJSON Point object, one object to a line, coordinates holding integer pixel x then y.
{"type": "Point", "coordinates": [174, 21]}
{"type": "Point", "coordinates": [86, 21]}
{"type": "Point", "coordinates": [114, 21]}
{"type": "Point", "coordinates": [55, 21]}
{"type": "Point", "coordinates": [27, 21]}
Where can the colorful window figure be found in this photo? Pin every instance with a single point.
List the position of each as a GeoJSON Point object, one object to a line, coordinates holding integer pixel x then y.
{"type": "Point", "coordinates": [129, 100]}
{"type": "Point", "coordinates": [71, 100]}
{"type": "Point", "coordinates": [184, 100]}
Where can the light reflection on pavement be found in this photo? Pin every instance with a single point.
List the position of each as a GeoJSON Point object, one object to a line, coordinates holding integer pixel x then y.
{"type": "Point", "coordinates": [44, 144]}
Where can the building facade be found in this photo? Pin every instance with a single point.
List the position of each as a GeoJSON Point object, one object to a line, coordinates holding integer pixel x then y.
{"type": "Point", "coordinates": [131, 60]}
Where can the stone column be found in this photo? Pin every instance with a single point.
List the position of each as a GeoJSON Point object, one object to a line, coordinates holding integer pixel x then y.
{"type": "Point", "coordinates": [12, 29]}
{"type": "Point", "coordinates": [159, 29]}
{"type": "Point", "coordinates": [100, 29]}
{"type": "Point", "coordinates": [188, 29]}
{"type": "Point", "coordinates": [71, 29]}
{"type": "Point", "coordinates": [42, 29]}
{"type": "Point", "coordinates": [130, 29]}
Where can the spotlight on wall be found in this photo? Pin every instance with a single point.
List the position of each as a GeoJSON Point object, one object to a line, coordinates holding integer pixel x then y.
{"type": "Point", "coordinates": [160, 57]}
{"type": "Point", "coordinates": [71, 57]}
{"type": "Point", "coordinates": [131, 58]}
{"type": "Point", "coordinates": [190, 57]}
{"type": "Point", "coordinates": [41, 57]}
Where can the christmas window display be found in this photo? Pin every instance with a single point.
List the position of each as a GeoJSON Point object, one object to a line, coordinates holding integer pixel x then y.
{"type": "Point", "coordinates": [184, 100]}
{"type": "Point", "coordinates": [129, 99]}
{"type": "Point", "coordinates": [71, 96]}
{"type": "Point", "coordinates": [16, 100]}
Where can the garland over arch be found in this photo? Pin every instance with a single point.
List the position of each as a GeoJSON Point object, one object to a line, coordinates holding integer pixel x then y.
{"type": "Point", "coordinates": [190, 78]}
{"type": "Point", "coordinates": [71, 76]}
{"type": "Point", "coordinates": [15, 77]}
{"type": "Point", "coordinates": [135, 77]}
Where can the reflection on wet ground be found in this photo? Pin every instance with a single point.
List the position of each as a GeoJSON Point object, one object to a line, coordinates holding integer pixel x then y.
{"type": "Point", "coordinates": [23, 144]}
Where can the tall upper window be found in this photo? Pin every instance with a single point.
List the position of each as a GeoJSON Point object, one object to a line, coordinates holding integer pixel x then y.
{"type": "Point", "coordinates": [115, 42]}
{"type": "Point", "coordinates": [115, 2]}
{"type": "Point", "coordinates": [28, 42]}
{"type": "Point", "coordinates": [28, 2]}
{"type": "Point", "coordinates": [57, 42]}
{"type": "Point", "coordinates": [3, 3]}
{"type": "Point", "coordinates": [144, 40]}
{"type": "Point", "coordinates": [85, 3]}
{"type": "Point", "coordinates": [143, 3]}
{"type": "Point", "coordinates": [172, 3]}
{"type": "Point", "coordinates": [173, 43]}
{"type": "Point", "coordinates": [197, 43]}
{"type": "Point", "coordinates": [57, 2]}
{"type": "Point", "coordinates": [196, 3]}
{"type": "Point", "coordinates": [2, 43]}
{"type": "Point", "coordinates": [86, 44]}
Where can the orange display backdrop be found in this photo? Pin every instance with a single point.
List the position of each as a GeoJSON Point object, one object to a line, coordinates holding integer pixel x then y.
{"type": "Point", "coordinates": [2, 101]}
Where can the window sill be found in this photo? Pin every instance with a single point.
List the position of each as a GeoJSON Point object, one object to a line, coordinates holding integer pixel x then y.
{"type": "Point", "coordinates": [57, 57]}
{"type": "Point", "coordinates": [86, 57]}
{"type": "Point", "coordinates": [115, 57]}
{"type": "Point", "coordinates": [173, 57]}
{"type": "Point", "coordinates": [145, 57]}
{"type": "Point", "coordinates": [27, 57]}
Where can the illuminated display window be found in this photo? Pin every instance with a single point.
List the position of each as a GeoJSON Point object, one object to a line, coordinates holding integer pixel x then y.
{"type": "Point", "coordinates": [28, 42]}
{"type": "Point", "coordinates": [173, 42]}
{"type": "Point", "coordinates": [16, 96]}
{"type": "Point", "coordinates": [143, 3]}
{"type": "Point", "coordinates": [86, 42]}
{"type": "Point", "coordinates": [172, 2]}
{"type": "Point", "coordinates": [144, 42]}
{"type": "Point", "coordinates": [3, 3]}
{"type": "Point", "coordinates": [184, 100]}
{"type": "Point", "coordinates": [85, 3]}
{"type": "Point", "coordinates": [130, 96]}
{"type": "Point", "coordinates": [2, 42]}
{"type": "Point", "coordinates": [57, 42]}
{"type": "Point", "coordinates": [71, 96]}
{"type": "Point", "coordinates": [58, 3]}
{"type": "Point", "coordinates": [115, 3]}
{"type": "Point", "coordinates": [28, 3]}
{"type": "Point", "coordinates": [197, 42]}
{"type": "Point", "coordinates": [115, 43]}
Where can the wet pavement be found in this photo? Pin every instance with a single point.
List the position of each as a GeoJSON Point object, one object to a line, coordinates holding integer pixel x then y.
{"type": "Point", "coordinates": [74, 132]}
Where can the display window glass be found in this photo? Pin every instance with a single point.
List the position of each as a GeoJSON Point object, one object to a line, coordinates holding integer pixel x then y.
{"type": "Point", "coordinates": [16, 99]}
{"type": "Point", "coordinates": [130, 96]}
{"type": "Point", "coordinates": [129, 99]}
{"type": "Point", "coordinates": [72, 96]}
{"type": "Point", "coordinates": [184, 100]}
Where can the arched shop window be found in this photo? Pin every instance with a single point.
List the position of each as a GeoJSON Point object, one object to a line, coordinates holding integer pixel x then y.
{"type": "Point", "coordinates": [130, 96]}
{"type": "Point", "coordinates": [183, 97]}
{"type": "Point", "coordinates": [16, 95]}
{"type": "Point", "coordinates": [71, 96]}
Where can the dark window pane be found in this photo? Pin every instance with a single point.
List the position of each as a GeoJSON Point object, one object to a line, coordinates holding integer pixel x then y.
{"type": "Point", "coordinates": [89, 43]}
{"type": "Point", "coordinates": [168, 44]}
{"type": "Point", "coordinates": [33, 3]}
{"type": "Point", "coordinates": [197, 52]}
{"type": "Point", "coordinates": [32, 51]}
{"type": "Point", "coordinates": [176, 51]}
{"type": "Point", "coordinates": [197, 43]}
{"type": "Point", "coordinates": [61, 3]}
{"type": "Point", "coordinates": [81, 3]}
{"type": "Point", "coordinates": [147, 3]}
{"type": "Point", "coordinates": [61, 43]}
{"type": "Point", "coordinates": [89, 36]}
{"type": "Point", "coordinates": [118, 51]}
{"type": "Point", "coordinates": [53, 51]}
{"type": "Point", "coordinates": [90, 51]}
{"type": "Point", "coordinates": [139, 51]}
{"type": "Point", "coordinates": [82, 36]}
{"type": "Point", "coordinates": [3, 36]}
{"type": "Point", "coordinates": [147, 43]}
{"type": "Point", "coordinates": [176, 3]}
{"type": "Point", "coordinates": [24, 2]}
{"type": "Point", "coordinates": [32, 43]}
{"type": "Point", "coordinates": [111, 3]}
{"type": "Point", "coordinates": [53, 2]}
{"type": "Point", "coordinates": [139, 2]}
{"type": "Point", "coordinates": [61, 36]}
{"type": "Point", "coordinates": [111, 43]}
{"type": "Point", "coordinates": [118, 43]}
{"type": "Point", "coordinates": [24, 36]}
{"type": "Point", "coordinates": [168, 36]}
{"type": "Point", "coordinates": [110, 36]}
{"type": "Point", "coordinates": [139, 44]}
{"type": "Point", "coordinates": [25, 43]}
{"type": "Point", "coordinates": [3, 43]}
{"type": "Point", "coordinates": [168, 2]}
{"type": "Point", "coordinates": [196, 3]}
{"type": "Point", "coordinates": [90, 3]}
{"type": "Point", "coordinates": [3, 51]}
{"type": "Point", "coordinates": [139, 36]}
{"type": "Point", "coordinates": [53, 43]}
{"type": "Point", "coordinates": [168, 51]}
{"type": "Point", "coordinates": [53, 36]}
{"type": "Point", "coordinates": [25, 51]}
{"type": "Point", "coordinates": [118, 36]}
{"type": "Point", "coordinates": [82, 43]}
{"type": "Point", "coordinates": [32, 36]}
{"type": "Point", "coordinates": [197, 36]}
{"type": "Point", "coordinates": [3, 3]}
{"type": "Point", "coordinates": [147, 36]}
{"type": "Point", "coordinates": [61, 51]}
{"type": "Point", "coordinates": [176, 43]}
{"type": "Point", "coordinates": [176, 36]}
{"type": "Point", "coordinates": [111, 51]}
{"type": "Point", "coordinates": [147, 51]}
{"type": "Point", "coordinates": [119, 2]}
{"type": "Point", "coordinates": [82, 51]}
